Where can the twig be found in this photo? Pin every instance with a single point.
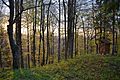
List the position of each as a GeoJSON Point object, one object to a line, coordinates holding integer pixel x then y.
{"type": "Point", "coordinates": [5, 3]}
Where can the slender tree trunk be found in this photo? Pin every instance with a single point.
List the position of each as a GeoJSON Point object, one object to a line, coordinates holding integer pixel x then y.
{"type": "Point", "coordinates": [113, 31]}
{"type": "Point", "coordinates": [84, 36]}
{"type": "Point", "coordinates": [75, 41]}
{"type": "Point", "coordinates": [20, 35]}
{"type": "Point", "coordinates": [94, 27]}
{"type": "Point", "coordinates": [96, 42]}
{"type": "Point", "coordinates": [53, 47]}
{"type": "Point", "coordinates": [87, 41]}
{"type": "Point", "coordinates": [28, 35]}
{"type": "Point", "coordinates": [0, 57]}
{"type": "Point", "coordinates": [71, 49]}
{"type": "Point", "coordinates": [17, 21]}
{"type": "Point", "coordinates": [59, 32]}
{"type": "Point", "coordinates": [104, 25]}
{"type": "Point", "coordinates": [42, 24]}
{"type": "Point", "coordinates": [1, 48]}
{"type": "Point", "coordinates": [74, 23]}
{"type": "Point", "coordinates": [65, 29]}
{"type": "Point", "coordinates": [40, 38]}
{"type": "Point", "coordinates": [34, 45]}
{"type": "Point", "coordinates": [34, 35]}
{"type": "Point", "coordinates": [28, 42]}
{"type": "Point", "coordinates": [116, 43]}
{"type": "Point", "coordinates": [48, 44]}
{"type": "Point", "coordinates": [77, 45]}
{"type": "Point", "coordinates": [49, 55]}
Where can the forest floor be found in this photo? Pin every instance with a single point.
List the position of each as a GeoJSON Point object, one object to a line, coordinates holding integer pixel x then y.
{"type": "Point", "coordinates": [83, 67]}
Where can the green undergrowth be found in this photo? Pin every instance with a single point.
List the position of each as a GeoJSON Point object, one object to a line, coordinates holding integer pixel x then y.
{"type": "Point", "coordinates": [83, 67]}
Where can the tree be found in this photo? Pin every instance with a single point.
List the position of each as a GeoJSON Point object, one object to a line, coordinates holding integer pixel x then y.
{"type": "Point", "coordinates": [65, 28]}
{"type": "Point", "coordinates": [13, 45]}
{"type": "Point", "coordinates": [13, 19]}
{"type": "Point", "coordinates": [5, 57]}
{"type": "Point", "coordinates": [106, 9]}
{"type": "Point", "coordinates": [48, 44]}
{"type": "Point", "coordinates": [59, 32]}
{"type": "Point", "coordinates": [71, 19]}
{"type": "Point", "coordinates": [42, 25]}
{"type": "Point", "coordinates": [18, 9]}
{"type": "Point", "coordinates": [34, 34]}
{"type": "Point", "coordinates": [84, 35]}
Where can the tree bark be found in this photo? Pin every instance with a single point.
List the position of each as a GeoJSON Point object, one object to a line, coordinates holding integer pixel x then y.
{"type": "Point", "coordinates": [40, 38]}
{"type": "Point", "coordinates": [48, 44]}
{"type": "Point", "coordinates": [84, 40]}
{"type": "Point", "coordinates": [42, 25]}
{"type": "Point", "coordinates": [65, 29]}
{"type": "Point", "coordinates": [18, 9]}
{"type": "Point", "coordinates": [113, 33]}
{"type": "Point", "coordinates": [13, 45]}
{"type": "Point", "coordinates": [28, 35]}
{"type": "Point", "coordinates": [74, 25]}
{"type": "Point", "coordinates": [70, 27]}
{"type": "Point", "coordinates": [59, 32]}
{"type": "Point", "coordinates": [34, 35]}
{"type": "Point", "coordinates": [0, 57]}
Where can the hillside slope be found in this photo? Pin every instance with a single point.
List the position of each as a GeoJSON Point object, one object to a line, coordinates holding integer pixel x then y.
{"type": "Point", "coordinates": [84, 67]}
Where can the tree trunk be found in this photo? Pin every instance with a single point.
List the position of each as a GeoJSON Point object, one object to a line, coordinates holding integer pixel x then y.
{"type": "Point", "coordinates": [65, 29]}
{"type": "Point", "coordinates": [116, 43]}
{"type": "Point", "coordinates": [70, 27]}
{"type": "Point", "coordinates": [20, 35]}
{"type": "Point", "coordinates": [84, 36]}
{"type": "Point", "coordinates": [96, 42]}
{"type": "Point", "coordinates": [75, 26]}
{"type": "Point", "coordinates": [13, 45]}
{"type": "Point", "coordinates": [42, 24]}
{"type": "Point", "coordinates": [0, 57]}
{"type": "Point", "coordinates": [28, 59]}
{"type": "Point", "coordinates": [28, 35]}
{"type": "Point", "coordinates": [53, 47]}
{"type": "Point", "coordinates": [59, 32]}
{"type": "Point", "coordinates": [40, 38]}
{"type": "Point", "coordinates": [18, 9]}
{"type": "Point", "coordinates": [48, 44]}
{"type": "Point", "coordinates": [113, 31]}
{"type": "Point", "coordinates": [34, 35]}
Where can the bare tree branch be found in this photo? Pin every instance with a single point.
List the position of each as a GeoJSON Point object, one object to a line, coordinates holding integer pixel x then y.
{"type": "Point", "coordinates": [54, 15]}
{"type": "Point", "coordinates": [5, 3]}
{"type": "Point", "coordinates": [26, 10]}
{"type": "Point", "coordinates": [22, 12]}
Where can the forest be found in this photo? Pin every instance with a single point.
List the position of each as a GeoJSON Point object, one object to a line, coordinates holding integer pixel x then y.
{"type": "Point", "coordinates": [59, 39]}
